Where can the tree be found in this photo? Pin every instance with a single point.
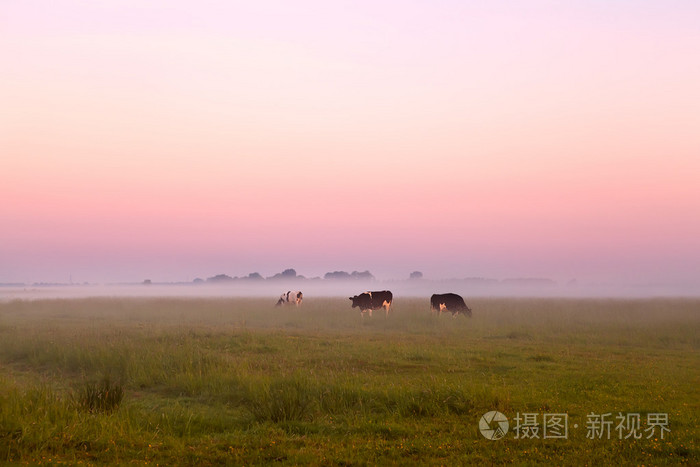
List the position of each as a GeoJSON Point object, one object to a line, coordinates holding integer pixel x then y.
{"type": "Point", "coordinates": [416, 275]}
{"type": "Point", "coordinates": [356, 275]}
{"type": "Point", "coordinates": [337, 275]}
{"type": "Point", "coordinates": [220, 278]}
{"type": "Point", "coordinates": [366, 275]}
{"type": "Point", "coordinates": [286, 274]}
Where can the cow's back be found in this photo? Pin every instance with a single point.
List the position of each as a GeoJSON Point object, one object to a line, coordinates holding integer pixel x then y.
{"type": "Point", "coordinates": [451, 301]}
{"type": "Point", "coordinates": [456, 301]}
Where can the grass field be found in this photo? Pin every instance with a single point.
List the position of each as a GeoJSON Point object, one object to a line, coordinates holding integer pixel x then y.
{"type": "Point", "coordinates": [237, 381]}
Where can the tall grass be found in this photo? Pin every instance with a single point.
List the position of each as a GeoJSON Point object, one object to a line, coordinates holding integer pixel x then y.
{"type": "Point", "coordinates": [280, 400]}
{"type": "Point", "coordinates": [102, 396]}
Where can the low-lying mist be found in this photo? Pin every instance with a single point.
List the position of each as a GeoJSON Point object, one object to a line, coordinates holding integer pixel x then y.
{"type": "Point", "coordinates": [310, 288]}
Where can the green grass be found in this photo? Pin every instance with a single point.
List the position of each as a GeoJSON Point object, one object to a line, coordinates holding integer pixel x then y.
{"type": "Point", "coordinates": [238, 381]}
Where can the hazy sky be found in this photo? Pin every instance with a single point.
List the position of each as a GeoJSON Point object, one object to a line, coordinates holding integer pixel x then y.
{"type": "Point", "coordinates": [178, 139]}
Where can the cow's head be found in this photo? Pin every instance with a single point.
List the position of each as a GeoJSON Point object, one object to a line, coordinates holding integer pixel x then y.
{"type": "Point", "coordinates": [354, 301]}
{"type": "Point", "coordinates": [279, 302]}
{"type": "Point", "coordinates": [467, 311]}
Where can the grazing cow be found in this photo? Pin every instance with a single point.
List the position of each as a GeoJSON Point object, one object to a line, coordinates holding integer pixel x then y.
{"type": "Point", "coordinates": [449, 302]}
{"type": "Point", "coordinates": [293, 297]}
{"type": "Point", "coordinates": [369, 301]}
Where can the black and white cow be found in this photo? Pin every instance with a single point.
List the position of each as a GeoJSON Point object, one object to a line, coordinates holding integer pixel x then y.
{"type": "Point", "coordinates": [449, 302]}
{"type": "Point", "coordinates": [293, 297]}
{"type": "Point", "coordinates": [369, 301]}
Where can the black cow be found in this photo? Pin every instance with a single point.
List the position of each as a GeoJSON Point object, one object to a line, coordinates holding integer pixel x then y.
{"type": "Point", "coordinates": [449, 302]}
{"type": "Point", "coordinates": [369, 301]}
{"type": "Point", "coordinates": [292, 297]}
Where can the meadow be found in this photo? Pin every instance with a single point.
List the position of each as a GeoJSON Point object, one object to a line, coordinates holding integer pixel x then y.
{"type": "Point", "coordinates": [237, 381]}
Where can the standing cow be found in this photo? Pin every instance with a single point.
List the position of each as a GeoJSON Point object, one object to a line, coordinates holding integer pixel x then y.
{"type": "Point", "coordinates": [293, 297]}
{"type": "Point", "coordinates": [449, 302]}
{"type": "Point", "coordinates": [369, 301]}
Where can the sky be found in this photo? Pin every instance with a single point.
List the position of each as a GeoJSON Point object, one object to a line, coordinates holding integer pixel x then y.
{"type": "Point", "coordinates": [170, 140]}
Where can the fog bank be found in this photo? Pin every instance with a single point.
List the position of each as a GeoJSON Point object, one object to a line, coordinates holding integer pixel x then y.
{"type": "Point", "coordinates": [317, 288]}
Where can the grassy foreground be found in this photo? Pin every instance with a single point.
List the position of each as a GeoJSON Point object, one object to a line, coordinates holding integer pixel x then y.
{"type": "Point", "coordinates": [237, 381]}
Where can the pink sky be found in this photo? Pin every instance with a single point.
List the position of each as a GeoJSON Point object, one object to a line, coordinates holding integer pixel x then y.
{"type": "Point", "coordinates": [186, 139]}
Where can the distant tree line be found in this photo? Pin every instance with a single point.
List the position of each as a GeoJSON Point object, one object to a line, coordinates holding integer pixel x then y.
{"type": "Point", "coordinates": [291, 274]}
{"type": "Point", "coordinates": [342, 275]}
